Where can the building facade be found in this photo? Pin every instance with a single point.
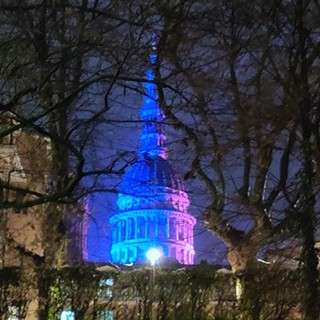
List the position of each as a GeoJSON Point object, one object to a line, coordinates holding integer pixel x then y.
{"type": "Point", "coordinates": [25, 164]}
{"type": "Point", "coordinates": [25, 167]}
{"type": "Point", "coordinates": [153, 204]}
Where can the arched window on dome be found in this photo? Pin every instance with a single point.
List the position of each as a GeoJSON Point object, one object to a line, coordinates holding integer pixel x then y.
{"type": "Point", "coordinates": [162, 225]}
{"type": "Point", "coordinates": [131, 229]}
{"type": "Point", "coordinates": [141, 254]}
{"type": "Point", "coordinates": [181, 235]}
{"type": "Point", "coordinates": [132, 254]}
{"type": "Point", "coordinates": [123, 230]}
{"type": "Point", "coordinates": [151, 228]}
{"type": "Point", "coordinates": [141, 225]}
{"type": "Point", "coordinates": [172, 229]}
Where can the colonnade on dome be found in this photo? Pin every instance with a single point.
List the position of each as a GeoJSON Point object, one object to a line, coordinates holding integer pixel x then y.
{"type": "Point", "coordinates": [135, 232]}
{"type": "Point", "coordinates": [161, 226]}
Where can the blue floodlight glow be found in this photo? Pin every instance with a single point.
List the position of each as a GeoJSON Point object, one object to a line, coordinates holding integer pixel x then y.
{"type": "Point", "coordinates": [153, 205]}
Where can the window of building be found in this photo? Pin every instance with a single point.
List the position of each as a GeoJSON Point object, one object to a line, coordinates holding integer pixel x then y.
{"type": "Point", "coordinates": [141, 227]}
{"type": "Point", "coordinates": [123, 230]}
{"type": "Point", "coordinates": [181, 235]}
{"type": "Point", "coordinates": [67, 315]}
{"type": "Point", "coordinates": [162, 228]}
{"type": "Point", "coordinates": [106, 287]}
{"type": "Point", "coordinates": [131, 227]}
{"type": "Point", "coordinates": [151, 228]}
{"type": "Point", "coordinates": [16, 311]}
{"type": "Point", "coordinates": [13, 313]}
{"type": "Point", "coordinates": [141, 254]}
{"type": "Point", "coordinates": [104, 315]}
{"type": "Point", "coordinates": [172, 228]}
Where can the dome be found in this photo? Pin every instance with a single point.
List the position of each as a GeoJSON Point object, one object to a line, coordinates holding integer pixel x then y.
{"type": "Point", "coordinates": [152, 203]}
{"type": "Point", "coordinates": [148, 173]}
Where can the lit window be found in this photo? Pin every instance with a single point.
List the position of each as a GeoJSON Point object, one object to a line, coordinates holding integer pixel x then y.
{"type": "Point", "coordinates": [105, 315]}
{"type": "Point", "coordinates": [181, 230]}
{"type": "Point", "coordinates": [151, 229]}
{"type": "Point", "coordinates": [109, 282]}
{"type": "Point", "coordinates": [172, 229]}
{"type": "Point", "coordinates": [141, 227]}
{"type": "Point", "coordinates": [13, 313]}
{"type": "Point", "coordinates": [105, 285]}
{"type": "Point", "coordinates": [162, 225]}
{"type": "Point", "coordinates": [131, 228]}
{"type": "Point", "coordinates": [123, 230]}
{"type": "Point", "coordinates": [67, 315]}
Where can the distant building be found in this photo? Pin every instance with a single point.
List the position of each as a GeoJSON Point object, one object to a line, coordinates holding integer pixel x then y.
{"type": "Point", "coordinates": [153, 204]}
{"type": "Point", "coordinates": [76, 223]}
{"type": "Point", "coordinates": [25, 167]}
{"type": "Point", "coordinates": [25, 173]}
{"type": "Point", "coordinates": [24, 162]}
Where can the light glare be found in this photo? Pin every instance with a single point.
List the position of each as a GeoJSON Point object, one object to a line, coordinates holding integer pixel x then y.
{"type": "Point", "coordinates": [153, 255]}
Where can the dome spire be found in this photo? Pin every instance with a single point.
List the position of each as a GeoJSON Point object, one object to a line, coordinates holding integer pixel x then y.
{"type": "Point", "coordinates": [153, 137]}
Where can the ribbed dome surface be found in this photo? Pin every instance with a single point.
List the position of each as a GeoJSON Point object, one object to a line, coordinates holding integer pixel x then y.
{"type": "Point", "coordinates": [149, 173]}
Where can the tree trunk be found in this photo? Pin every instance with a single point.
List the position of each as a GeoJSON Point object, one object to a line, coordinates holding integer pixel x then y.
{"type": "Point", "coordinates": [306, 208]}
{"type": "Point", "coordinates": [245, 268]}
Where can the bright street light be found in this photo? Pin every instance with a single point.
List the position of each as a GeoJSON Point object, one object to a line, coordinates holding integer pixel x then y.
{"type": "Point", "coordinates": [153, 254]}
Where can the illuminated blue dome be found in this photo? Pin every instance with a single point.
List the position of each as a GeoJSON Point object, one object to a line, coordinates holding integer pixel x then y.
{"type": "Point", "coordinates": [148, 173]}
{"type": "Point", "coordinates": [152, 203]}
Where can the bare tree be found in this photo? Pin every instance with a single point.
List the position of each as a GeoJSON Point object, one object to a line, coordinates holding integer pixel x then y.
{"type": "Point", "coordinates": [239, 79]}
{"type": "Point", "coordinates": [61, 65]}
{"type": "Point", "coordinates": [244, 91]}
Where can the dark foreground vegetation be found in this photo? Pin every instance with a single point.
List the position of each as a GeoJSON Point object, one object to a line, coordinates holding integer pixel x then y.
{"type": "Point", "coordinates": [199, 292]}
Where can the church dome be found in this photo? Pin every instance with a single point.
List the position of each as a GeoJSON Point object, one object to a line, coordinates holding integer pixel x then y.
{"type": "Point", "coordinates": [148, 174]}
{"type": "Point", "coordinates": [153, 205]}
